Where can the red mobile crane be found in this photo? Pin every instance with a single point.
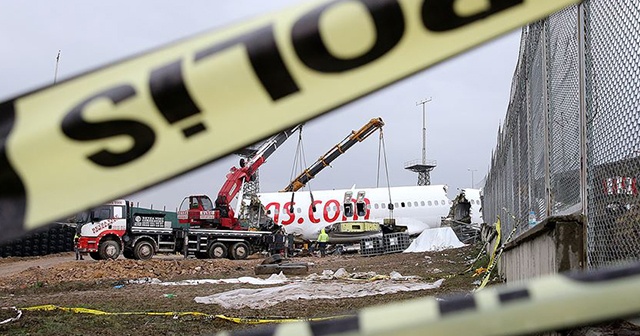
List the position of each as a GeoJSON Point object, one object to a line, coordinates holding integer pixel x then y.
{"type": "Point", "coordinates": [199, 212]}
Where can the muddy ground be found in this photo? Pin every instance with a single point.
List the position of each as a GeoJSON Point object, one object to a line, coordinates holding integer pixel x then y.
{"type": "Point", "coordinates": [62, 281]}
{"type": "Point", "coordinates": [103, 285]}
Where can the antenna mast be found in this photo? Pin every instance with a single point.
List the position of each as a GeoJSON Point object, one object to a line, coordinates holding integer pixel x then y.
{"type": "Point", "coordinates": [424, 167]}
{"type": "Point", "coordinates": [424, 129]}
{"type": "Point", "coordinates": [55, 75]}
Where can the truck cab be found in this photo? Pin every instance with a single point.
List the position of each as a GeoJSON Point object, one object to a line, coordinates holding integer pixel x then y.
{"type": "Point", "coordinates": [101, 230]}
{"type": "Point", "coordinates": [197, 211]}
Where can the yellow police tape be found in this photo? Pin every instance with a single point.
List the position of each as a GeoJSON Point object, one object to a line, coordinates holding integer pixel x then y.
{"type": "Point", "coordinates": [261, 320]}
{"type": "Point", "coordinates": [492, 259]}
{"type": "Point", "coordinates": [221, 91]}
{"type": "Point", "coordinates": [495, 256]}
{"type": "Point", "coordinates": [550, 303]}
{"type": "Point", "coordinates": [239, 320]}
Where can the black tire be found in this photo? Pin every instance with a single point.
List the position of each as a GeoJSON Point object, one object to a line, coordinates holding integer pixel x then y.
{"type": "Point", "coordinates": [293, 268]}
{"type": "Point", "coordinates": [286, 268]}
{"type": "Point", "coordinates": [266, 269]}
{"type": "Point", "coordinates": [240, 251]}
{"type": "Point", "coordinates": [143, 250]}
{"type": "Point", "coordinates": [218, 251]}
{"type": "Point", "coordinates": [95, 255]}
{"type": "Point", "coordinates": [127, 253]}
{"type": "Point", "coordinates": [109, 249]}
{"type": "Point", "coordinates": [273, 259]}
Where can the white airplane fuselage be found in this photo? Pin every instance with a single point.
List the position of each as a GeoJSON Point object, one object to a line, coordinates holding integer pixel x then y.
{"type": "Point", "coordinates": [416, 207]}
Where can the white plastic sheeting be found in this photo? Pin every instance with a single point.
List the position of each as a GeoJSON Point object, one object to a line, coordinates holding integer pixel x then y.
{"type": "Point", "coordinates": [437, 239]}
{"type": "Point", "coordinates": [274, 279]}
{"type": "Point", "coordinates": [309, 290]}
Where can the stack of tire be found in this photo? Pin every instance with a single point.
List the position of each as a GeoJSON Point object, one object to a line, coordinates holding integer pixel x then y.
{"type": "Point", "coordinates": [55, 239]}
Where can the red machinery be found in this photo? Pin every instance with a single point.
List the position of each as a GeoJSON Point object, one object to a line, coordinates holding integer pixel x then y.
{"type": "Point", "coordinates": [199, 211]}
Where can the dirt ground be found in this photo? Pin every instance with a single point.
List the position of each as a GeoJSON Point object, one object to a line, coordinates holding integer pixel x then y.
{"type": "Point", "coordinates": [103, 285]}
{"type": "Point", "coordinates": [62, 281]}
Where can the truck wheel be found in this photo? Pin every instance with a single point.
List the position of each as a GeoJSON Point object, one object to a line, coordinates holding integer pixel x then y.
{"type": "Point", "coordinates": [127, 253]}
{"type": "Point", "coordinates": [95, 255]}
{"type": "Point", "coordinates": [109, 249]}
{"type": "Point", "coordinates": [143, 250]}
{"type": "Point", "coordinates": [217, 251]}
{"type": "Point", "coordinates": [240, 251]}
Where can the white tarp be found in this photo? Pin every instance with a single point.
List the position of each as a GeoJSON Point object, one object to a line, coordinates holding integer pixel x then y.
{"type": "Point", "coordinates": [278, 279]}
{"type": "Point", "coordinates": [274, 279]}
{"type": "Point", "coordinates": [437, 239]}
{"type": "Point", "coordinates": [306, 290]}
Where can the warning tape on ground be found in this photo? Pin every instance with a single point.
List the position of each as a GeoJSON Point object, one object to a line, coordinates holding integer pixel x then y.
{"type": "Point", "coordinates": [262, 320]}
{"type": "Point", "coordinates": [546, 304]}
{"type": "Point", "coordinates": [239, 320]}
{"type": "Point", "coordinates": [11, 319]}
{"type": "Point", "coordinates": [121, 128]}
{"type": "Point", "coordinates": [80, 310]}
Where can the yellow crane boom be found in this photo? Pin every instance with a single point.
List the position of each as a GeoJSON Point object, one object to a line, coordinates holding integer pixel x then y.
{"type": "Point", "coordinates": [337, 150]}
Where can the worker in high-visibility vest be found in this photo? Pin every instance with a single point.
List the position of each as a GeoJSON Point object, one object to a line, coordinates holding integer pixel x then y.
{"type": "Point", "coordinates": [323, 238]}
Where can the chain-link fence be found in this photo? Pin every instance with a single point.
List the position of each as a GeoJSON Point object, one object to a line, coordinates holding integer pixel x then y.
{"type": "Point", "coordinates": [575, 94]}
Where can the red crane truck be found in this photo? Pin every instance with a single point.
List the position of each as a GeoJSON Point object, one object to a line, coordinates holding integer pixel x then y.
{"type": "Point", "coordinates": [199, 228]}
{"type": "Point", "coordinates": [119, 227]}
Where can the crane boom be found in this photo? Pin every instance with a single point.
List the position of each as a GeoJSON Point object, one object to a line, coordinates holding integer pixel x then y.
{"type": "Point", "coordinates": [199, 211]}
{"type": "Point", "coordinates": [356, 136]}
{"type": "Point", "coordinates": [237, 176]}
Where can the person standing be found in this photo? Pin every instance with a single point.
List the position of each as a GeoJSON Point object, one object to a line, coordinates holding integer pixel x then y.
{"type": "Point", "coordinates": [75, 247]}
{"type": "Point", "coordinates": [323, 238]}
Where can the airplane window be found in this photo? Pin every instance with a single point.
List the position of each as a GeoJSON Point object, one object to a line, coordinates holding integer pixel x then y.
{"type": "Point", "coordinates": [443, 202]}
{"type": "Point", "coordinates": [402, 204]}
{"type": "Point", "coordinates": [382, 205]}
{"type": "Point", "coordinates": [429, 203]}
{"type": "Point", "coordinates": [409, 204]}
{"type": "Point", "coordinates": [298, 210]}
{"type": "Point", "coordinates": [415, 203]}
{"type": "Point", "coordinates": [375, 205]}
{"type": "Point", "coordinates": [472, 202]}
{"type": "Point", "coordinates": [421, 203]}
{"type": "Point", "coordinates": [396, 204]}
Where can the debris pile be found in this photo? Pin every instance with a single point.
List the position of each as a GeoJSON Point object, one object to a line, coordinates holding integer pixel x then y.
{"type": "Point", "coordinates": [124, 269]}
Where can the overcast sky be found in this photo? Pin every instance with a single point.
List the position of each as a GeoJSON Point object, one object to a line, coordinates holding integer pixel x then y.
{"type": "Point", "coordinates": [469, 93]}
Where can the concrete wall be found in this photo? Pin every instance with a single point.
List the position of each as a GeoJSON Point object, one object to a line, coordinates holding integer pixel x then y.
{"type": "Point", "coordinates": [555, 245]}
